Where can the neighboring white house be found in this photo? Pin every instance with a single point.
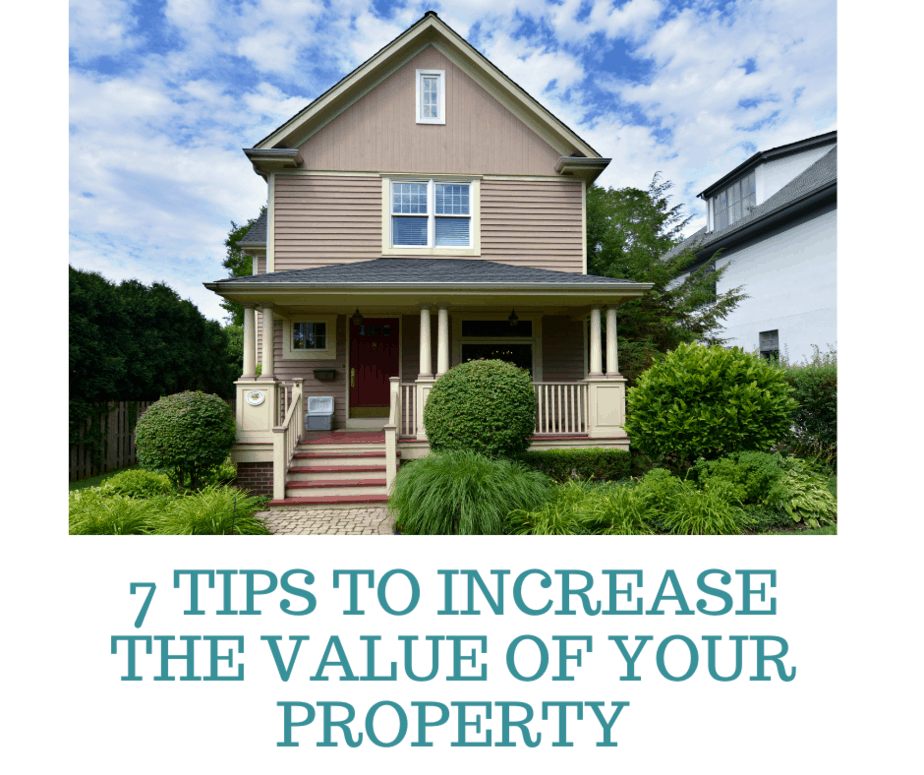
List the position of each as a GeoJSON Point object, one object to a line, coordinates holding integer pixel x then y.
{"type": "Point", "coordinates": [774, 217]}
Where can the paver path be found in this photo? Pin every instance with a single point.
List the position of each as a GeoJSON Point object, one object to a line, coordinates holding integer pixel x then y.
{"type": "Point", "coordinates": [352, 520]}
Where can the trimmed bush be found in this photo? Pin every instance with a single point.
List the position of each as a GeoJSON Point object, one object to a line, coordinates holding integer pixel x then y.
{"type": "Point", "coordinates": [707, 402]}
{"type": "Point", "coordinates": [463, 493]}
{"type": "Point", "coordinates": [137, 483]}
{"type": "Point", "coordinates": [814, 420]}
{"type": "Point", "coordinates": [594, 463]}
{"type": "Point", "coordinates": [213, 511]}
{"type": "Point", "coordinates": [488, 406]}
{"type": "Point", "coordinates": [185, 435]}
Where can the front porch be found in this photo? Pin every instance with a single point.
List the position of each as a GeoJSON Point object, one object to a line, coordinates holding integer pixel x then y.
{"type": "Point", "coordinates": [377, 348]}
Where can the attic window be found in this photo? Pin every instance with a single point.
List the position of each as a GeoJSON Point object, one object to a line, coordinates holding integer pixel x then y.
{"type": "Point", "coordinates": [735, 202]}
{"type": "Point", "coordinates": [431, 96]}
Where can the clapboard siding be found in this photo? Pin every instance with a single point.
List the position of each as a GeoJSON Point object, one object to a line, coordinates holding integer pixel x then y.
{"type": "Point", "coordinates": [337, 219]}
{"type": "Point", "coordinates": [562, 349]}
{"type": "Point", "coordinates": [380, 131]}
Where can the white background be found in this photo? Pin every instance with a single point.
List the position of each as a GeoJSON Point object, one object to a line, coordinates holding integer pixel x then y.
{"type": "Point", "coordinates": [848, 605]}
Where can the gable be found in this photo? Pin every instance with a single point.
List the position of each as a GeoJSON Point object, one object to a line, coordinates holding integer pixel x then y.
{"type": "Point", "coordinates": [380, 130]}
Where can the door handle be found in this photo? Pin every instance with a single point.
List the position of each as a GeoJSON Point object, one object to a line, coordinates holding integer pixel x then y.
{"type": "Point", "coordinates": [352, 377]}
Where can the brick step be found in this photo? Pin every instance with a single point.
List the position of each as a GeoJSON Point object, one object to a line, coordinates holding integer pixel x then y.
{"type": "Point", "coordinates": [329, 499]}
{"type": "Point", "coordinates": [328, 449]}
{"type": "Point", "coordinates": [309, 473]}
{"type": "Point", "coordinates": [321, 483]}
{"type": "Point", "coordinates": [342, 455]}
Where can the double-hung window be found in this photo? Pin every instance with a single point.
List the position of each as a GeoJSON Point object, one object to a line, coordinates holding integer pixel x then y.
{"type": "Point", "coordinates": [431, 214]}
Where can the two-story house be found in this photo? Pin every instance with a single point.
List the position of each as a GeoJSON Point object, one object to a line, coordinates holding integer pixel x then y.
{"type": "Point", "coordinates": [774, 219]}
{"type": "Point", "coordinates": [423, 212]}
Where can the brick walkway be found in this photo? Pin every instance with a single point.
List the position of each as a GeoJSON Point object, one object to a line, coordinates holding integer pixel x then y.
{"type": "Point", "coordinates": [352, 520]}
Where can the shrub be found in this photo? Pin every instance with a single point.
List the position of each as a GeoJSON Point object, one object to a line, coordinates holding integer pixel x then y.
{"type": "Point", "coordinates": [91, 512]}
{"type": "Point", "coordinates": [661, 488]}
{"type": "Point", "coordinates": [137, 483]}
{"type": "Point", "coordinates": [485, 406]}
{"type": "Point", "coordinates": [213, 511]}
{"type": "Point", "coordinates": [706, 402]}
{"type": "Point", "coordinates": [804, 495]}
{"type": "Point", "coordinates": [814, 420]}
{"type": "Point", "coordinates": [594, 463]}
{"type": "Point", "coordinates": [185, 435]}
{"type": "Point", "coordinates": [463, 492]}
{"type": "Point", "coordinates": [745, 477]}
{"type": "Point", "coordinates": [225, 474]}
{"type": "Point", "coordinates": [700, 512]}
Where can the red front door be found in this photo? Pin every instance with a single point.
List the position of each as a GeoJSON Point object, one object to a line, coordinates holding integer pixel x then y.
{"type": "Point", "coordinates": [373, 359]}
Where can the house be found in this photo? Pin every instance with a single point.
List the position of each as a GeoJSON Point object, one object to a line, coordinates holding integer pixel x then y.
{"type": "Point", "coordinates": [774, 218]}
{"type": "Point", "coordinates": [422, 212]}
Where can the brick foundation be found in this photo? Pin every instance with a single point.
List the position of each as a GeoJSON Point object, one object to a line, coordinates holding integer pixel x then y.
{"type": "Point", "coordinates": [256, 477]}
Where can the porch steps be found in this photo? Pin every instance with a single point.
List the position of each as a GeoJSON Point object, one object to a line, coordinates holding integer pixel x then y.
{"type": "Point", "coordinates": [337, 468]}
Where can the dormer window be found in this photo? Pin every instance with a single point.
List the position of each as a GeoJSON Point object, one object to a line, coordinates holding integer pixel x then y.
{"type": "Point", "coordinates": [734, 202]}
{"type": "Point", "coordinates": [431, 96]}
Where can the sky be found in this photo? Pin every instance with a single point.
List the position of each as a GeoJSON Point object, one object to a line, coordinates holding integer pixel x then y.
{"type": "Point", "coordinates": [165, 94]}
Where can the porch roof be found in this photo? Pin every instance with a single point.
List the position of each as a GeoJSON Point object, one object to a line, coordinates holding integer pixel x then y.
{"type": "Point", "coordinates": [438, 279]}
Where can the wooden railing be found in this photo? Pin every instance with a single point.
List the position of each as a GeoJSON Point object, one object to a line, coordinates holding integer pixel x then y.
{"type": "Point", "coordinates": [287, 435]}
{"type": "Point", "coordinates": [407, 411]}
{"type": "Point", "coordinates": [391, 432]}
{"type": "Point", "coordinates": [561, 408]}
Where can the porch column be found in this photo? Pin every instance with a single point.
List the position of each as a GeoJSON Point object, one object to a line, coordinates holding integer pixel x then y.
{"type": "Point", "coordinates": [250, 343]}
{"type": "Point", "coordinates": [268, 342]}
{"type": "Point", "coordinates": [426, 369]}
{"type": "Point", "coordinates": [442, 340]}
{"type": "Point", "coordinates": [596, 349]}
{"type": "Point", "coordinates": [612, 358]}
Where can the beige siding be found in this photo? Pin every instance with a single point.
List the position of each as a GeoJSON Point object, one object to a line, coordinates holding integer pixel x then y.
{"type": "Point", "coordinates": [286, 370]}
{"type": "Point", "coordinates": [337, 219]}
{"type": "Point", "coordinates": [562, 349]}
{"type": "Point", "coordinates": [533, 223]}
{"type": "Point", "coordinates": [329, 219]}
{"type": "Point", "coordinates": [380, 131]}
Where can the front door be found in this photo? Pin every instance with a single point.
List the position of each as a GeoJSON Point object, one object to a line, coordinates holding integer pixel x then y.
{"type": "Point", "coordinates": [373, 359]}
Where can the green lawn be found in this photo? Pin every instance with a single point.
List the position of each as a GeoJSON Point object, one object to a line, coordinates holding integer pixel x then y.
{"type": "Point", "coordinates": [96, 481]}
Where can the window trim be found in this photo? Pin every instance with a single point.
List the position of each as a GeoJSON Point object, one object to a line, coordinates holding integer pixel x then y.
{"type": "Point", "coordinates": [714, 201]}
{"type": "Point", "coordinates": [474, 248]}
{"type": "Point", "coordinates": [329, 353]}
{"type": "Point", "coordinates": [457, 340]}
{"type": "Point", "coordinates": [441, 96]}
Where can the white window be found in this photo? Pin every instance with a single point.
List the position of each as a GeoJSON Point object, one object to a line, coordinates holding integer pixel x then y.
{"type": "Point", "coordinates": [431, 214]}
{"type": "Point", "coordinates": [770, 345]}
{"type": "Point", "coordinates": [735, 202]}
{"type": "Point", "coordinates": [310, 338]}
{"type": "Point", "coordinates": [431, 97]}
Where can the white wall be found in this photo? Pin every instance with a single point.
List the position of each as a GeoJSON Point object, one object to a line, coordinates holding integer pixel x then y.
{"type": "Point", "coordinates": [771, 176]}
{"type": "Point", "coordinates": [791, 277]}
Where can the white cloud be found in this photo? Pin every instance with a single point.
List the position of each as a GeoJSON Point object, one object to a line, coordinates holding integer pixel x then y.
{"type": "Point", "coordinates": [100, 27]}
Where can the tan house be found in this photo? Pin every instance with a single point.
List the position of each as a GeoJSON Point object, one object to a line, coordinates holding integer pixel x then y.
{"type": "Point", "coordinates": [423, 212]}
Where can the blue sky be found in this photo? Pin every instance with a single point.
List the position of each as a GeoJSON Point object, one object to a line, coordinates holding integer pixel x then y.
{"type": "Point", "coordinates": [163, 96]}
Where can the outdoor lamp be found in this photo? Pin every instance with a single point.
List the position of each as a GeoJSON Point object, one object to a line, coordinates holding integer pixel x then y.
{"type": "Point", "coordinates": [513, 319]}
{"type": "Point", "coordinates": [357, 317]}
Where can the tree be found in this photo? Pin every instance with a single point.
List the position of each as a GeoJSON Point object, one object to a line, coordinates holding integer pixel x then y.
{"type": "Point", "coordinates": [239, 264]}
{"type": "Point", "coordinates": [628, 233]}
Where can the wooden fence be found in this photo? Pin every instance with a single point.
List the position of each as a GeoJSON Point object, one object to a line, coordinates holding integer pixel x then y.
{"type": "Point", "coordinates": [117, 449]}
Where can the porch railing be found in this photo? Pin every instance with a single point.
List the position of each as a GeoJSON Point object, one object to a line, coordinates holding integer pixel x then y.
{"type": "Point", "coordinates": [286, 436]}
{"type": "Point", "coordinates": [407, 411]}
{"type": "Point", "coordinates": [561, 408]}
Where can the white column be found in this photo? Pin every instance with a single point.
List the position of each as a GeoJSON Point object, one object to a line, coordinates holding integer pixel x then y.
{"type": "Point", "coordinates": [612, 359]}
{"type": "Point", "coordinates": [250, 343]}
{"type": "Point", "coordinates": [426, 369]}
{"type": "Point", "coordinates": [442, 340]}
{"type": "Point", "coordinates": [268, 342]}
{"type": "Point", "coordinates": [596, 346]}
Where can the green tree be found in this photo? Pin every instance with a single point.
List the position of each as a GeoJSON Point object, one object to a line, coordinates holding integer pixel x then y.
{"type": "Point", "coordinates": [628, 232]}
{"type": "Point", "coordinates": [239, 264]}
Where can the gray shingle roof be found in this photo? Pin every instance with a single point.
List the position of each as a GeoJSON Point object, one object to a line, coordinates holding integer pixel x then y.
{"type": "Point", "coordinates": [821, 174]}
{"type": "Point", "coordinates": [257, 232]}
{"type": "Point", "coordinates": [422, 270]}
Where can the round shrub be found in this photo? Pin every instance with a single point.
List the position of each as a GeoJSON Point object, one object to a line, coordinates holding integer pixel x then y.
{"type": "Point", "coordinates": [463, 493]}
{"type": "Point", "coordinates": [137, 483]}
{"type": "Point", "coordinates": [707, 402]}
{"type": "Point", "coordinates": [488, 406]}
{"type": "Point", "coordinates": [185, 435]}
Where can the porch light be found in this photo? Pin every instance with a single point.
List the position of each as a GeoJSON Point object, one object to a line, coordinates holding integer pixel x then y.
{"type": "Point", "coordinates": [357, 317]}
{"type": "Point", "coordinates": [513, 319]}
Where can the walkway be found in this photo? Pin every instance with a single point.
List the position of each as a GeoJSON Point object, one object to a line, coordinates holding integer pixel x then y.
{"type": "Point", "coordinates": [350, 520]}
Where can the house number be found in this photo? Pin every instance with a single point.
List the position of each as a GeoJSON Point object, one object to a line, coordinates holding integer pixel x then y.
{"type": "Point", "coordinates": [255, 397]}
